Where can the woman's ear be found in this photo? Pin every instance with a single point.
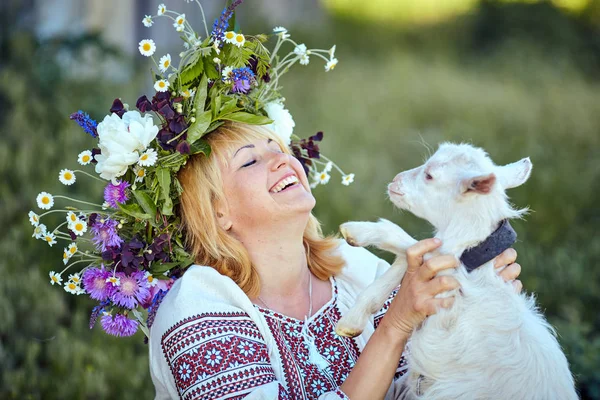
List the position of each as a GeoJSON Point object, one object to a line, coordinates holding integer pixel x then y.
{"type": "Point", "coordinates": [223, 220]}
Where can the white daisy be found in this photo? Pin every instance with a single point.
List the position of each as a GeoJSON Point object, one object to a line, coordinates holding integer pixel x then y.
{"type": "Point", "coordinates": [39, 231]}
{"type": "Point", "coordinates": [67, 177]}
{"type": "Point", "coordinates": [105, 205]}
{"type": "Point", "coordinates": [66, 256]}
{"type": "Point", "coordinates": [239, 40]}
{"type": "Point", "coordinates": [72, 249]}
{"type": "Point", "coordinates": [323, 178]}
{"type": "Point", "coordinates": [147, 47]}
{"type": "Point", "coordinates": [331, 64]}
{"type": "Point", "coordinates": [162, 9]}
{"type": "Point", "coordinates": [229, 37]}
{"type": "Point", "coordinates": [115, 280]}
{"type": "Point", "coordinates": [55, 278]}
{"type": "Point", "coordinates": [147, 21]}
{"type": "Point", "coordinates": [304, 60]}
{"type": "Point", "coordinates": [187, 93]}
{"type": "Point", "coordinates": [152, 281]}
{"type": "Point", "coordinates": [279, 29]}
{"type": "Point", "coordinates": [216, 45]}
{"type": "Point", "coordinates": [227, 74]}
{"type": "Point", "coordinates": [314, 184]}
{"type": "Point", "coordinates": [161, 85]}
{"type": "Point", "coordinates": [80, 290]}
{"type": "Point", "coordinates": [328, 166]}
{"type": "Point", "coordinates": [300, 49]}
{"type": "Point", "coordinates": [148, 158]}
{"type": "Point", "coordinates": [75, 278]}
{"type": "Point", "coordinates": [71, 218]}
{"type": "Point", "coordinates": [71, 287]}
{"type": "Point", "coordinates": [45, 201]}
{"type": "Point", "coordinates": [79, 227]}
{"type": "Point", "coordinates": [85, 157]}
{"type": "Point", "coordinates": [164, 63]}
{"type": "Point", "coordinates": [332, 51]}
{"type": "Point", "coordinates": [347, 179]}
{"type": "Point", "coordinates": [179, 23]}
{"type": "Point", "coordinates": [50, 238]}
{"type": "Point", "coordinates": [34, 218]}
{"type": "Point", "coordinates": [140, 173]}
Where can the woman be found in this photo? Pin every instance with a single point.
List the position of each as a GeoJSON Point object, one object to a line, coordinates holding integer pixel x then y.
{"type": "Point", "coordinates": [256, 317]}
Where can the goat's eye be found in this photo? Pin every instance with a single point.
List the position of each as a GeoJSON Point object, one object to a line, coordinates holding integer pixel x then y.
{"type": "Point", "coordinates": [428, 176]}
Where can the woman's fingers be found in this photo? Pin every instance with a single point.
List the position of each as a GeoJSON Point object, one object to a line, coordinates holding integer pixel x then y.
{"type": "Point", "coordinates": [518, 285]}
{"type": "Point", "coordinates": [442, 284]}
{"type": "Point", "coordinates": [511, 272]}
{"type": "Point", "coordinates": [415, 253]}
{"type": "Point", "coordinates": [437, 264]}
{"type": "Point", "coordinates": [434, 305]}
{"type": "Point", "coordinates": [508, 256]}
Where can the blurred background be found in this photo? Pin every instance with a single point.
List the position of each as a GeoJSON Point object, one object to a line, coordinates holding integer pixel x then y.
{"type": "Point", "coordinates": [518, 78]}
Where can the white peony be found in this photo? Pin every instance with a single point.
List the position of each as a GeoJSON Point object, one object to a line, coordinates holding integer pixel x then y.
{"type": "Point", "coordinates": [283, 123]}
{"type": "Point", "coordinates": [121, 141]}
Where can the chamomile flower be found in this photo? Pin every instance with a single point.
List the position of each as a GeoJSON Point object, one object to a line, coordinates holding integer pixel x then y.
{"type": "Point", "coordinates": [55, 278]}
{"type": "Point", "coordinates": [323, 178]}
{"type": "Point", "coordinates": [229, 37]}
{"type": "Point", "coordinates": [331, 64]}
{"type": "Point", "coordinates": [34, 218]}
{"type": "Point", "coordinates": [71, 287]}
{"type": "Point", "coordinates": [151, 280]}
{"type": "Point", "coordinates": [85, 157]}
{"type": "Point", "coordinates": [239, 40]}
{"type": "Point", "coordinates": [162, 9]}
{"type": "Point", "coordinates": [347, 179]}
{"type": "Point", "coordinates": [39, 231]}
{"type": "Point", "coordinates": [75, 278]}
{"type": "Point", "coordinates": [79, 227]}
{"type": "Point", "coordinates": [332, 51]}
{"type": "Point", "coordinates": [45, 201]}
{"type": "Point", "coordinates": [328, 166]}
{"type": "Point", "coordinates": [300, 49]}
{"type": "Point", "coordinates": [50, 238]}
{"type": "Point", "coordinates": [115, 280]}
{"type": "Point", "coordinates": [314, 184]}
{"type": "Point", "coordinates": [216, 46]}
{"type": "Point", "coordinates": [304, 60]}
{"type": "Point", "coordinates": [71, 218]}
{"type": "Point", "coordinates": [148, 158]}
{"type": "Point", "coordinates": [140, 173]}
{"type": "Point", "coordinates": [72, 249]}
{"type": "Point", "coordinates": [281, 32]}
{"type": "Point", "coordinates": [66, 256]}
{"type": "Point", "coordinates": [161, 85]}
{"type": "Point", "coordinates": [187, 93]}
{"type": "Point", "coordinates": [179, 23]}
{"type": "Point", "coordinates": [164, 63]}
{"type": "Point", "coordinates": [147, 47]}
{"type": "Point", "coordinates": [147, 21]}
{"type": "Point", "coordinates": [227, 74]}
{"type": "Point", "coordinates": [67, 177]}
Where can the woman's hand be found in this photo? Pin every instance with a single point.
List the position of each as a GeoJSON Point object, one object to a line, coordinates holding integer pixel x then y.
{"type": "Point", "coordinates": [416, 297]}
{"type": "Point", "coordinates": [511, 272]}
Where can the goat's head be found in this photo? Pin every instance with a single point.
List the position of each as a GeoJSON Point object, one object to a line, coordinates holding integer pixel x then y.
{"type": "Point", "coordinates": [459, 180]}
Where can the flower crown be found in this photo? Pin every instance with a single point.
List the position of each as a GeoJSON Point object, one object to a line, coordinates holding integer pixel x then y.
{"type": "Point", "coordinates": [131, 246]}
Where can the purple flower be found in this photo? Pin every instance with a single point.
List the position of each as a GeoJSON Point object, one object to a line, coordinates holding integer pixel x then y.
{"type": "Point", "coordinates": [114, 194]}
{"type": "Point", "coordinates": [84, 121]}
{"type": "Point", "coordinates": [220, 25]}
{"type": "Point", "coordinates": [119, 325]}
{"type": "Point", "coordinates": [96, 312]}
{"type": "Point", "coordinates": [118, 108]}
{"type": "Point", "coordinates": [132, 290]}
{"type": "Point", "coordinates": [242, 78]}
{"type": "Point", "coordinates": [94, 283]}
{"type": "Point", "coordinates": [105, 234]}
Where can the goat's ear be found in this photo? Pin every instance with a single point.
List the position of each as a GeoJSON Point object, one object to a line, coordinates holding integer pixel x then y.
{"type": "Point", "coordinates": [482, 184]}
{"type": "Point", "coordinates": [515, 174]}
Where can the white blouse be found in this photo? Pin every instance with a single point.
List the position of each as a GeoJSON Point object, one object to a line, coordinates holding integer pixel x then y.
{"type": "Point", "coordinates": [209, 341]}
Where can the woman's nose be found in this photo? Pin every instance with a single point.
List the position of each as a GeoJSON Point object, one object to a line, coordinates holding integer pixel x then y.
{"type": "Point", "coordinates": [279, 159]}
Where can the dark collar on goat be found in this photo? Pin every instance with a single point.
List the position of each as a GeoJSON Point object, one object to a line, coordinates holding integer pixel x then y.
{"type": "Point", "coordinates": [500, 240]}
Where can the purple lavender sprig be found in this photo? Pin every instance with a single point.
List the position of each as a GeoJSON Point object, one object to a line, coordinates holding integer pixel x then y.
{"type": "Point", "coordinates": [220, 25]}
{"type": "Point", "coordinates": [87, 123]}
{"type": "Point", "coordinates": [242, 79]}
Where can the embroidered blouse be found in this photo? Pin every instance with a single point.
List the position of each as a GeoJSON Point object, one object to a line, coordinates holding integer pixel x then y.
{"type": "Point", "coordinates": [209, 341]}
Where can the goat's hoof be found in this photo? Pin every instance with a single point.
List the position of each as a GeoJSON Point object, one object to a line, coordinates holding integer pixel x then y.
{"type": "Point", "coordinates": [347, 331]}
{"type": "Point", "coordinates": [346, 231]}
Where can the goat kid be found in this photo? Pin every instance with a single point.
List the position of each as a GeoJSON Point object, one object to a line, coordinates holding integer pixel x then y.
{"type": "Point", "coordinates": [492, 343]}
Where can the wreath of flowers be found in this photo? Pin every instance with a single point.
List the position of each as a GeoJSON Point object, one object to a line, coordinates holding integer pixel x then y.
{"type": "Point", "coordinates": [131, 247]}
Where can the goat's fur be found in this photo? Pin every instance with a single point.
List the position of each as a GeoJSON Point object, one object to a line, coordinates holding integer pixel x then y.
{"type": "Point", "coordinates": [493, 343]}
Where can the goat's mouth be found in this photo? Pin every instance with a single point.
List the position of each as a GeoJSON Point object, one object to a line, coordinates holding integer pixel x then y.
{"type": "Point", "coordinates": [392, 191]}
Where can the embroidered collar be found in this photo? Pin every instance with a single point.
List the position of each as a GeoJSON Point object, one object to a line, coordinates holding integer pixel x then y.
{"type": "Point", "coordinates": [500, 240]}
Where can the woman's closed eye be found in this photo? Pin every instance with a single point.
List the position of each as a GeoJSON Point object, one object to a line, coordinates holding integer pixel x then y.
{"type": "Point", "coordinates": [249, 163]}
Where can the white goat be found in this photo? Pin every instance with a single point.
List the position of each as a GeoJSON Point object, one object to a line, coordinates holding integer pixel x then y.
{"type": "Point", "coordinates": [493, 343]}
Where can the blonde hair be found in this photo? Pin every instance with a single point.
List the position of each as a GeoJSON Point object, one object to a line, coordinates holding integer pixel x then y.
{"type": "Point", "coordinates": [210, 244]}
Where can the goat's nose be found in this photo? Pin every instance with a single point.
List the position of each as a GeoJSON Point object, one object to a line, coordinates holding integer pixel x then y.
{"type": "Point", "coordinates": [397, 178]}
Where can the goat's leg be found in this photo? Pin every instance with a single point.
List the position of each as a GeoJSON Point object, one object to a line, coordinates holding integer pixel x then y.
{"type": "Point", "coordinates": [382, 234]}
{"type": "Point", "coordinates": [371, 299]}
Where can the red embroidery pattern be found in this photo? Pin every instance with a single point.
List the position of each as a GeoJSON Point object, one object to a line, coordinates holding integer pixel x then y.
{"type": "Point", "coordinates": [217, 355]}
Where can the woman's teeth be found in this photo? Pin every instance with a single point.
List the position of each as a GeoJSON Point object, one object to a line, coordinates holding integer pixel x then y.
{"type": "Point", "coordinates": [287, 181]}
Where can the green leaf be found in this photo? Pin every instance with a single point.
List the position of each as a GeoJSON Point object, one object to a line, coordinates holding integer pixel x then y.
{"type": "Point", "coordinates": [216, 105]}
{"type": "Point", "coordinates": [134, 210]}
{"type": "Point", "coordinates": [145, 201]}
{"type": "Point", "coordinates": [229, 107]}
{"type": "Point", "coordinates": [201, 95]}
{"type": "Point", "coordinates": [209, 69]}
{"type": "Point", "coordinates": [191, 72]}
{"type": "Point", "coordinates": [159, 268]}
{"type": "Point", "coordinates": [164, 181]}
{"type": "Point", "coordinates": [201, 147]}
{"type": "Point", "coordinates": [198, 128]}
{"type": "Point", "coordinates": [247, 118]}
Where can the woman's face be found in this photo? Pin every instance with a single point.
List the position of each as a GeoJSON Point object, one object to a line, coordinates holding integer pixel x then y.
{"type": "Point", "coordinates": [263, 185]}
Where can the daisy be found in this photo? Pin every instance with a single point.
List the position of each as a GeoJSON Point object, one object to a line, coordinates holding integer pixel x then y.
{"type": "Point", "coordinates": [161, 85]}
{"type": "Point", "coordinates": [304, 60]}
{"type": "Point", "coordinates": [147, 21]}
{"type": "Point", "coordinates": [279, 29]}
{"type": "Point", "coordinates": [85, 157]}
{"type": "Point", "coordinates": [229, 37]}
{"type": "Point", "coordinates": [116, 281]}
{"type": "Point", "coordinates": [39, 231]}
{"type": "Point", "coordinates": [72, 249]}
{"type": "Point", "coordinates": [147, 47]}
{"type": "Point", "coordinates": [162, 9]}
{"type": "Point", "coordinates": [331, 64]}
{"type": "Point", "coordinates": [332, 51]}
{"type": "Point", "coordinates": [66, 177]}
{"type": "Point", "coordinates": [71, 219]}
{"type": "Point", "coordinates": [347, 179]}
{"type": "Point", "coordinates": [71, 287]}
{"type": "Point", "coordinates": [151, 280]}
{"type": "Point", "coordinates": [140, 173]}
{"type": "Point", "coordinates": [50, 238]}
{"type": "Point", "coordinates": [216, 46]}
{"type": "Point", "coordinates": [34, 218]}
{"type": "Point", "coordinates": [323, 178]}
{"type": "Point", "coordinates": [55, 278]}
{"type": "Point", "coordinates": [148, 158]}
{"type": "Point", "coordinates": [187, 93]}
{"type": "Point", "coordinates": [239, 40]}
{"type": "Point", "coordinates": [314, 184]}
{"type": "Point", "coordinates": [75, 278]}
{"type": "Point", "coordinates": [227, 73]}
{"type": "Point", "coordinates": [328, 166]}
{"type": "Point", "coordinates": [79, 227]}
{"type": "Point", "coordinates": [179, 23]}
{"type": "Point", "coordinates": [300, 49]}
{"type": "Point", "coordinates": [164, 63]}
{"type": "Point", "coordinates": [45, 201]}
{"type": "Point", "coordinates": [66, 256]}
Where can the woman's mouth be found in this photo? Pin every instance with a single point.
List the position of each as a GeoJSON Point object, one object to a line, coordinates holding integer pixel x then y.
{"type": "Point", "coordinates": [285, 184]}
